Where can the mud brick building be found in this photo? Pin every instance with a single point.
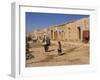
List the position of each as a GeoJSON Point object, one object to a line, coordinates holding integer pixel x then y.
{"type": "Point", "coordinates": [73, 31]}
{"type": "Point", "coordinates": [77, 30]}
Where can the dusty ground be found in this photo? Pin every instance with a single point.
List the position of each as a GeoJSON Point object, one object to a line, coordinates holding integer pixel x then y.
{"type": "Point", "coordinates": [74, 54]}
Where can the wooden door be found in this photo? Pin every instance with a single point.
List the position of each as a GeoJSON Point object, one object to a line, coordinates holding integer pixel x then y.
{"type": "Point", "coordinates": [86, 36]}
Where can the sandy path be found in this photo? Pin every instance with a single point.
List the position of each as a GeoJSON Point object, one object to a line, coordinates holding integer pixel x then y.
{"type": "Point", "coordinates": [73, 54]}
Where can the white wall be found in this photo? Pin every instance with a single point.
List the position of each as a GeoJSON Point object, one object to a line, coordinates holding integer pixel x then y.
{"type": "Point", "coordinates": [5, 40]}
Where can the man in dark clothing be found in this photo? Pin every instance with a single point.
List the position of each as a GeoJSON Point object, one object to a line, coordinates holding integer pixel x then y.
{"type": "Point", "coordinates": [46, 43]}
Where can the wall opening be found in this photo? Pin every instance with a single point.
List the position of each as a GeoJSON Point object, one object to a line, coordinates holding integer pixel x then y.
{"type": "Point", "coordinates": [79, 31]}
{"type": "Point", "coordinates": [86, 36]}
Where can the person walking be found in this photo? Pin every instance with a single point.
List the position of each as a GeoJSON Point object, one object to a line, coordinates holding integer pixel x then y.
{"type": "Point", "coordinates": [59, 48]}
{"type": "Point", "coordinates": [46, 43]}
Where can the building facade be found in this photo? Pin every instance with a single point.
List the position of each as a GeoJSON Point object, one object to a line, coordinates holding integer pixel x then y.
{"type": "Point", "coordinates": [72, 31]}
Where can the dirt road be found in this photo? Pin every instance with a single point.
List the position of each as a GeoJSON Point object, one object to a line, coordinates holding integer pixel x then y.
{"type": "Point", "coordinates": [74, 54]}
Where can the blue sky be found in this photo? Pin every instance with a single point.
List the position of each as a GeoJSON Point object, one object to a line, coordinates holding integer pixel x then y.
{"type": "Point", "coordinates": [42, 20]}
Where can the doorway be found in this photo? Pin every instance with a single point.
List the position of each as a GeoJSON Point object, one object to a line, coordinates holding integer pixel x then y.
{"type": "Point", "coordinates": [86, 36]}
{"type": "Point", "coordinates": [55, 35]}
{"type": "Point", "coordinates": [79, 31]}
